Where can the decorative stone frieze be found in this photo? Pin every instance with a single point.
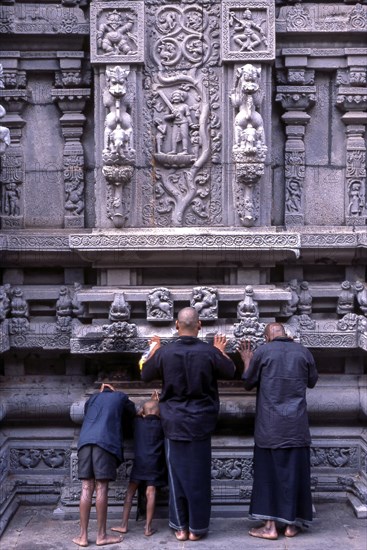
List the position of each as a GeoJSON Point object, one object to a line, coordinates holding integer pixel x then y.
{"type": "Point", "coordinates": [322, 18]}
{"type": "Point", "coordinates": [42, 19]}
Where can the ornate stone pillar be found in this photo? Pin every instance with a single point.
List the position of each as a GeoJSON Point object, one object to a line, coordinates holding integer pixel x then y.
{"type": "Point", "coordinates": [296, 97]}
{"type": "Point", "coordinates": [13, 96]}
{"type": "Point", "coordinates": [352, 98]}
{"type": "Point", "coordinates": [117, 46]}
{"type": "Point", "coordinates": [248, 35]}
{"type": "Point", "coordinates": [71, 99]}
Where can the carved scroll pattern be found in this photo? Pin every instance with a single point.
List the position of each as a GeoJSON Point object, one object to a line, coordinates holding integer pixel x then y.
{"type": "Point", "coordinates": [186, 131]}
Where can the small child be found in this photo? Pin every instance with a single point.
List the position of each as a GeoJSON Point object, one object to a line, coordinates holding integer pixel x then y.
{"type": "Point", "coordinates": [149, 462]}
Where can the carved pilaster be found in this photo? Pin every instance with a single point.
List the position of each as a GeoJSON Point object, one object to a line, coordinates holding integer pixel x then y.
{"type": "Point", "coordinates": [295, 100]}
{"type": "Point", "coordinates": [352, 98]}
{"type": "Point", "coordinates": [71, 99]}
{"type": "Point", "coordinates": [13, 97]}
{"type": "Point", "coordinates": [117, 31]}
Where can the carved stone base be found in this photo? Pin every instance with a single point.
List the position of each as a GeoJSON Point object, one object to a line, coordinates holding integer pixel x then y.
{"type": "Point", "coordinates": [9, 222]}
{"type": "Point", "coordinates": [73, 221]}
{"type": "Point", "coordinates": [294, 219]}
{"type": "Point", "coordinates": [356, 220]}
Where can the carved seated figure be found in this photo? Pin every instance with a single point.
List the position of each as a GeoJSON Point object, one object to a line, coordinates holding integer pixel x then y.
{"type": "Point", "coordinates": [64, 304]}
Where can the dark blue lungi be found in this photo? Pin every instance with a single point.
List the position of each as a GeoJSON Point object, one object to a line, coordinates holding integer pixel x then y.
{"type": "Point", "coordinates": [282, 486]}
{"type": "Point", "coordinates": [189, 478]}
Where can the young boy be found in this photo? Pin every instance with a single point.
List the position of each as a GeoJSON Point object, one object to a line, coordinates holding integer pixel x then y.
{"type": "Point", "coordinates": [149, 462]}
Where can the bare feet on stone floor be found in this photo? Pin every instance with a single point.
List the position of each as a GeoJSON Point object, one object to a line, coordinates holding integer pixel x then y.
{"type": "Point", "coordinates": [120, 529]}
{"type": "Point", "coordinates": [81, 541]}
{"type": "Point", "coordinates": [264, 533]}
{"type": "Point", "coordinates": [291, 531]}
{"type": "Point", "coordinates": [149, 532]}
{"type": "Point", "coordinates": [108, 539]}
{"type": "Point", "coordinates": [194, 537]}
{"type": "Point", "coordinates": [181, 534]}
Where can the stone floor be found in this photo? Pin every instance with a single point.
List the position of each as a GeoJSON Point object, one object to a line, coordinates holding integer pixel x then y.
{"type": "Point", "coordinates": [335, 528]}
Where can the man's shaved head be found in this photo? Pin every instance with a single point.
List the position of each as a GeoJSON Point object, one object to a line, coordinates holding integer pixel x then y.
{"type": "Point", "coordinates": [188, 321]}
{"type": "Point", "coordinates": [274, 330]}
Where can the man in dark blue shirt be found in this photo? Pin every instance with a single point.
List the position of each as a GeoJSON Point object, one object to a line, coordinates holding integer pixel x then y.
{"type": "Point", "coordinates": [189, 407]}
{"type": "Point", "coordinates": [100, 452]}
{"type": "Point", "coordinates": [281, 371]}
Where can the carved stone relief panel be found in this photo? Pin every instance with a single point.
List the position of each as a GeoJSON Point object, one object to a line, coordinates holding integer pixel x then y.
{"type": "Point", "coordinates": [182, 103]}
{"type": "Point", "coordinates": [248, 30]}
{"type": "Point", "coordinates": [117, 29]}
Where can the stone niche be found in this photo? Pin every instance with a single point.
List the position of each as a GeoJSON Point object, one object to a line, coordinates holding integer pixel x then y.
{"type": "Point", "coordinates": [157, 154]}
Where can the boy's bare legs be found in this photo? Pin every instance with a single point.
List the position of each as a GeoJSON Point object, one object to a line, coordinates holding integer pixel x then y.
{"type": "Point", "coordinates": [101, 509]}
{"type": "Point", "coordinates": [131, 490]}
{"type": "Point", "coordinates": [85, 505]}
{"type": "Point", "coordinates": [150, 494]}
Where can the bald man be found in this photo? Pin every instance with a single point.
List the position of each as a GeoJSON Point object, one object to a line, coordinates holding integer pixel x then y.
{"type": "Point", "coordinates": [281, 370]}
{"type": "Point", "coordinates": [189, 406]}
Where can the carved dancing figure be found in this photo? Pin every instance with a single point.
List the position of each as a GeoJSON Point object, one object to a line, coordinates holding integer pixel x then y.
{"type": "Point", "coordinates": [114, 36]}
{"type": "Point", "coordinates": [355, 205]}
{"type": "Point", "coordinates": [252, 35]}
{"type": "Point", "coordinates": [11, 199]}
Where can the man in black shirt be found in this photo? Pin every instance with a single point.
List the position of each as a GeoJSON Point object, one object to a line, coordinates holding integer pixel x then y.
{"type": "Point", "coordinates": [189, 406]}
{"type": "Point", "coordinates": [281, 370]}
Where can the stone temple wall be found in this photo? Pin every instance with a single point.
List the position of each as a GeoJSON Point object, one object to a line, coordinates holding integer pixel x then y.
{"type": "Point", "coordinates": [157, 154]}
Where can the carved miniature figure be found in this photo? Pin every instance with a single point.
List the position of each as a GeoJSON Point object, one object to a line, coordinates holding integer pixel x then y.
{"type": "Point", "coordinates": [180, 117]}
{"type": "Point", "coordinates": [251, 35]}
{"type": "Point", "coordinates": [120, 309]}
{"type": "Point", "coordinates": [74, 202]}
{"type": "Point", "coordinates": [305, 299]}
{"type": "Point", "coordinates": [64, 303]}
{"type": "Point", "coordinates": [11, 199]}
{"type": "Point", "coordinates": [160, 304]}
{"type": "Point", "coordinates": [205, 301]}
{"type": "Point", "coordinates": [248, 307]}
{"type": "Point", "coordinates": [19, 313]}
{"type": "Point", "coordinates": [118, 136]}
{"type": "Point", "coordinates": [77, 306]}
{"type": "Point", "coordinates": [355, 206]}
{"type": "Point", "coordinates": [346, 299]}
{"type": "Point", "coordinates": [293, 196]}
{"type": "Point", "coordinates": [4, 134]}
{"type": "Point", "coordinates": [291, 306]}
{"type": "Point", "coordinates": [115, 36]}
{"type": "Point", "coordinates": [361, 294]}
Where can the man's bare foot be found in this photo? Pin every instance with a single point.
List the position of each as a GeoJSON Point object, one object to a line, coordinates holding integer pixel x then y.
{"type": "Point", "coordinates": [181, 534]}
{"type": "Point", "coordinates": [149, 532]}
{"type": "Point", "coordinates": [194, 537]}
{"type": "Point", "coordinates": [119, 529]}
{"type": "Point", "coordinates": [263, 533]}
{"type": "Point", "coordinates": [291, 531]}
{"type": "Point", "coordinates": [109, 540]}
{"type": "Point", "coordinates": [80, 541]}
